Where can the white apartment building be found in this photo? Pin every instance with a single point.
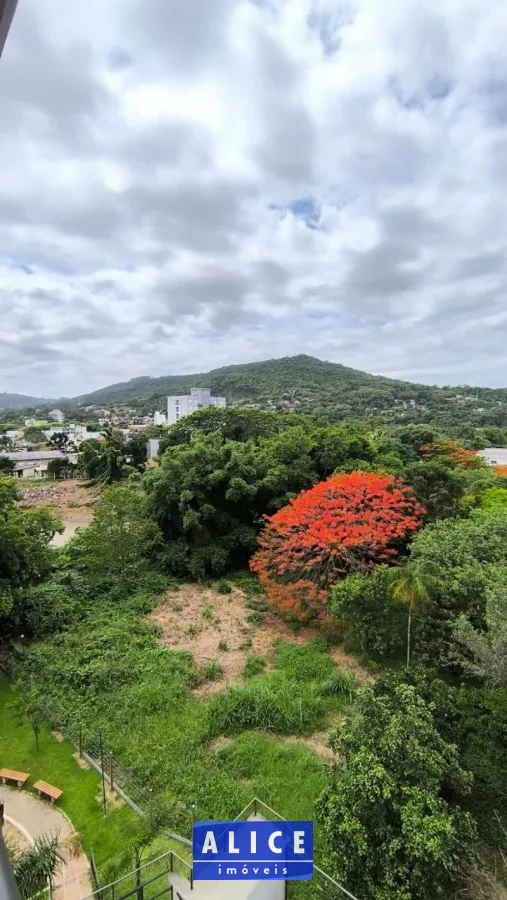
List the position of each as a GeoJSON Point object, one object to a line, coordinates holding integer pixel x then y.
{"type": "Point", "coordinates": [56, 414]}
{"type": "Point", "coordinates": [185, 405]}
{"type": "Point", "coordinates": [159, 418]}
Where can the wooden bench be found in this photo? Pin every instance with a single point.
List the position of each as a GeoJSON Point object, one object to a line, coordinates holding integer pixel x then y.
{"type": "Point", "coordinates": [44, 788]}
{"type": "Point", "coordinates": [12, 775]}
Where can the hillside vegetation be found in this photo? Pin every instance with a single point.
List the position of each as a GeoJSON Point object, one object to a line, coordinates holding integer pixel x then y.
{"type": "Point", "coordinates": [309, 385]}
{"type": "Point", "coordinates": [302, 383]}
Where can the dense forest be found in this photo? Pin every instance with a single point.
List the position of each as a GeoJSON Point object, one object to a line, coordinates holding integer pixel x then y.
{"type": "Point", "coordinates": [386, 543]}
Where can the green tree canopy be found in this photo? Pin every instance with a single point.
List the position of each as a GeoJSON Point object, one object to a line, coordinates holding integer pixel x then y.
{"type": "Point", "coordinates": [203, 496]}
{"type": "Point", "coordinates": [391, 812]}
{"type": "Point", "coordinates": [6, 465]}
{"type": "Point", "coordinates": [103, 462]}
{"type": "Point", "coordinates": [34, 435]}
{"type": "Point", "coordinates": [120, 539]}
{"type": "Point", "coordinates": [25, 553]}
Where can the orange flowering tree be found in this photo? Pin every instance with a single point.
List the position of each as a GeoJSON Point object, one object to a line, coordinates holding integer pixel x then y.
{"type": "Point", "coordinates": [345, 524]}
{"type": "Point", "coordinates": [501, 470]}
{"type": "Point", "coordinates": [452, 453]}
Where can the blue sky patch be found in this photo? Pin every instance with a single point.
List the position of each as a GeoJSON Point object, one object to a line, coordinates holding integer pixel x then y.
{"type": "Point", "coordinates": [118, 58]}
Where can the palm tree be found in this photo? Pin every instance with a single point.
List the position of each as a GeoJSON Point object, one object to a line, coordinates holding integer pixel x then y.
{"type": "Point", "coordinates": [35, 868]}
{"type": "Point", "coordinates": [412, 584]}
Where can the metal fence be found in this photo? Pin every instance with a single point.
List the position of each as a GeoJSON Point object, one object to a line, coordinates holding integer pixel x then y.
{"type": "Point", "coordinates": [148, 882]}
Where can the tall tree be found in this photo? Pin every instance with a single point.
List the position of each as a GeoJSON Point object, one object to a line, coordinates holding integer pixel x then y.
{"type": "Point", "coordinates": [25, 553]}
{"type": "Point", "coordinates": [412, 584]}
{"type": "Point", "coordinates": [103, 461]}
{"type": "Point", "coordinates": [343, 525]}
{"type": "Point", "coordinates": [391, 812]}
{"type": "Point", "coordinates": [485, 647]}
{"type": "Point", "coordinates": [7, 465]}
{"type": "Point", "coordinates": [119, 540]}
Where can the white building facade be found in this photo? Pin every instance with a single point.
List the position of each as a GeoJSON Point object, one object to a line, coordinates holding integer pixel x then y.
{"type": "Point", "coordinates": [159, 418]}
{"type": "Point", "coordinates": [186, 404]}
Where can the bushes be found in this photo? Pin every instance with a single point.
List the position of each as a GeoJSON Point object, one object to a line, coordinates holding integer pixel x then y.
{"type": "Point", "coordinates": [269, 703]}
{"type": "Point", "coordinates": [340, 684]}
{"type": "Point", "coordinates": [254, 665]}
{"type": "Point", "coordinates": [304, 662]}
{"type": "Point", "coordinates": [223, 587]}
{"type": "Point", "coordinates": [211, 670]}
{"type": "Point", "coordinates": [370, 621]}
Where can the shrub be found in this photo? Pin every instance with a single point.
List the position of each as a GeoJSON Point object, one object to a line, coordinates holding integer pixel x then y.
{"type": "Point", "coordinates": [211, 670]}
{"type": "Point", "coordinates": [271, 703]}
{"type": "Point", "coordinates": [223, 646]}
{"type": "Point", "coordinates": [340, 684]}
{"type": "Point", "coordinates": [254, 665]}
{"type": "Point", "coordinates": [303, 662]}
{"type": "Point", "coordinates": [254, 618]}
{"type": "Point", "coordinates": [223, 587]}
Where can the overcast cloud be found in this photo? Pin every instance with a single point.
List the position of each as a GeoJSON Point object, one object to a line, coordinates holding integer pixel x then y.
{"type": "Point", "coordinates": [185, 185]}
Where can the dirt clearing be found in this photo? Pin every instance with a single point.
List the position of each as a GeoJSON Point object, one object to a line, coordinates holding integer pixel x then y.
{"type": "Point", "coordinates": [69, 500]}
{"type": "Point", "coordinates": [214, 626]}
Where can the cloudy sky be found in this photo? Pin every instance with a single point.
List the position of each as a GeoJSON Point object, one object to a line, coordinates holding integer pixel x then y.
{"type": "Point", "coordinates": [185, 185]}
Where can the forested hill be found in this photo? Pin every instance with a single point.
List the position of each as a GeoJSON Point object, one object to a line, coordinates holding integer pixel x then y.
{"type": "Point", "coordinates": [307, 384]}
{"type": "Point", "coordinates": [303, 384]}
{"type": "Point", "coordinates": [303, 378]}
{"type": "Point", "coordinates": [19, 401]}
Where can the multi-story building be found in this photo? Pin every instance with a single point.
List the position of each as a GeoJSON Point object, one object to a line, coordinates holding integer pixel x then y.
{"type": "Point", "coordinates": [159, 418]}
{"type": "Point", "coordinates": [56, 414]}
{"type": "Point", "coordinates": [186, 404]}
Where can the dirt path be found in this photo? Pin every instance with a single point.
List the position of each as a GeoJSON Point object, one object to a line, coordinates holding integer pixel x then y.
{"type": "Point", "coordinates": [38, 818]}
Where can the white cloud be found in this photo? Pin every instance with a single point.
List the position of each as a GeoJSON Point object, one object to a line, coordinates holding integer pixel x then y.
{"type": "Point", "coordinates": [190, 185]}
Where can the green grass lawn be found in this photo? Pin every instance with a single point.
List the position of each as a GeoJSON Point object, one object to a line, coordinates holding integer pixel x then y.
{"type": "Point", "coordinates": [54, 764]}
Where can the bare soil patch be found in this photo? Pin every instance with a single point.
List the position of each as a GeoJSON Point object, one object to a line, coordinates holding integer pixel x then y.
{"type": "Point", "coordinates": [113, 800]}
{"type": "Point", "coordinates": [346, 661]}
{"type": "Point", "coordinates": [197, 619]}
{"type": "Point", "coordinates": [80, 760]}
{"type": "Point", "coordinates": [69, 500]}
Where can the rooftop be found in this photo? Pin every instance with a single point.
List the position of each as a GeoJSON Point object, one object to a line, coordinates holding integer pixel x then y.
{"type": "Point", "coordinates": [27, 455]}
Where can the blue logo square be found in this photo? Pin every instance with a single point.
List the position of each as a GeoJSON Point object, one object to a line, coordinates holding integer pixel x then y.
{"type": "Point", "coordinates": [253, 851]}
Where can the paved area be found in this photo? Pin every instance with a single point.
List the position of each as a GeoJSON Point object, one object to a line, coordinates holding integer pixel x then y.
{"type": "Point", "coordinates": [39, 817]}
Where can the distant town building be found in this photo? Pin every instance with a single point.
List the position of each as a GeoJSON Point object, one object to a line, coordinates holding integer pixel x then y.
{"type": "Point", "coordinates": [185, 405]}
{"type": "Point", "coordinates": [56, 415]}
{"type": "Point", "coordinates": [494, 456]}
{"type": "Point", "coordinates": [152, 448]}
{"type": "Point", "coordinates": [159, 418]}
{"type": "Point", "coordinates": [34, 463]}
{"type": "Point", "coordinates": [30, 421]}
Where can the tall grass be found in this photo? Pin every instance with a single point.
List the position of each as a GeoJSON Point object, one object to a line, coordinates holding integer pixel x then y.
{"type": "Point", "coordinates": [271, 703]}
{"type": "Point", "coordinates": [304, 662]}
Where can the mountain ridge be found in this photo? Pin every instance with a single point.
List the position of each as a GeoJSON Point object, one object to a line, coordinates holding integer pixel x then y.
{"type": "Point", "coordinates": [300, 382]}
